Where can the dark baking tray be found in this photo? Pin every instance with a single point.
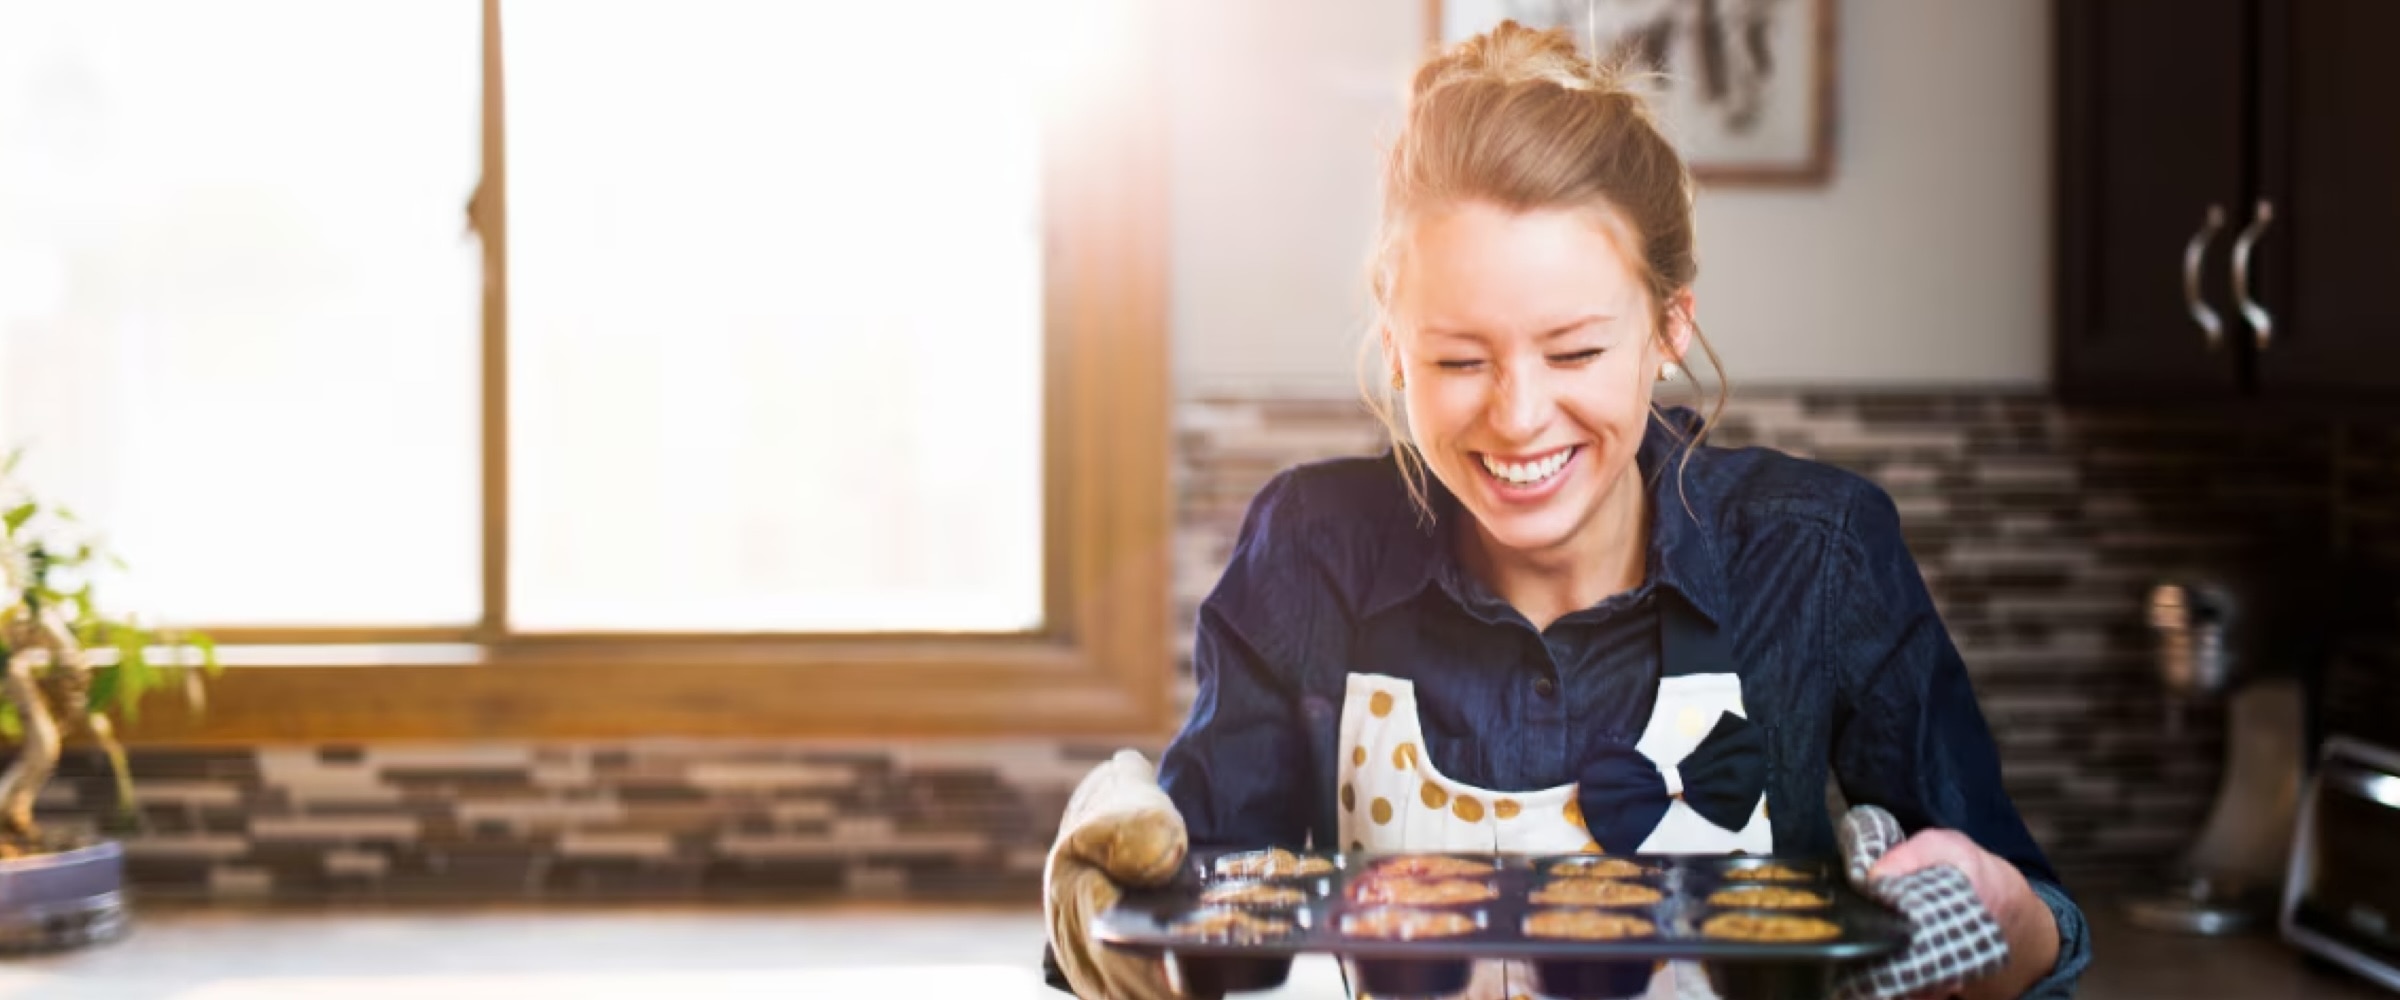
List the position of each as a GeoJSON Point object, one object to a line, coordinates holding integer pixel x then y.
{"type": "Point", "coordinates": [1427, 967]}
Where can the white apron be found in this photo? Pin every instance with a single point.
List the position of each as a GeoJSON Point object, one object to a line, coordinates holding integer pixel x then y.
{"type": "Point", "coordinates": [1393, 799]}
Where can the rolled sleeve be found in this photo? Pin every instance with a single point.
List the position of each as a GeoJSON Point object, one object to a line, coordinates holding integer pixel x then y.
{"type": "Point", "coordinates": [2074, 943]}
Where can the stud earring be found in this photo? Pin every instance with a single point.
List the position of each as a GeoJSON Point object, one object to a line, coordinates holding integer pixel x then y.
{"type": "Point", "coordinates": [1398, 383]}
{"type": "Point", "coordinates": [1669, 370]}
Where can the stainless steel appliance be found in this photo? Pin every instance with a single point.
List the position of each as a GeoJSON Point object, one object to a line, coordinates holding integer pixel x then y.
{"type": "Point", "coordinates": [2209, 642]}
{"type": "Point", "coordinates": [2342, 894]}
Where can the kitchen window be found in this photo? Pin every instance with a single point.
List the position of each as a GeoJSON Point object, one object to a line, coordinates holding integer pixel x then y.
{"type": "Point", "coordinates": [562, 368]}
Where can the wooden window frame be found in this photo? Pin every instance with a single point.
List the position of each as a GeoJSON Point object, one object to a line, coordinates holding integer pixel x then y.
{"type": "Point", "coordinates": [1099, 666]}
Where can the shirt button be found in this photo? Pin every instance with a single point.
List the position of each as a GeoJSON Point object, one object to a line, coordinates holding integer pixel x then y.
{"type": "Point", "coordinates": [1546, 687]}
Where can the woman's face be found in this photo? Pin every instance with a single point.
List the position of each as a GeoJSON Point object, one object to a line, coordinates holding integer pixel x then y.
{"type": "Point", "coordinates": [1529, 352]}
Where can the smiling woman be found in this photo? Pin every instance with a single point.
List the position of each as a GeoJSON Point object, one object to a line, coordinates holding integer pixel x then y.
{"type": "Point", "coordinates": [1550, 596]}
{"type": "Point", "coordinates": [819, 366]}
{"type": "Point", "coordinates": [1526, 326]}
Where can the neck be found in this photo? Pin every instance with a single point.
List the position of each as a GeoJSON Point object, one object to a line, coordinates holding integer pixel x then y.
{"type": "Point", "coordinates": [1604, 557]}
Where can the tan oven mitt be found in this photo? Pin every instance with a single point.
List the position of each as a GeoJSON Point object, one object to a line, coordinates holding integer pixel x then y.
{"type": "Point", "coordinates": [1120, 831]}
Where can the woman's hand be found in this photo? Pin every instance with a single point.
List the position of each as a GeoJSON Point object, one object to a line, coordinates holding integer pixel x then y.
{"type": "Point", "coordinates": [2026, 921]}
{"type": "Point", "coordinates": [1119, 830]}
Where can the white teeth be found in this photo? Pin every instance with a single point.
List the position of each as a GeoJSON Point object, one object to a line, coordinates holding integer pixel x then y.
{"type": "Point", "coordinates": [1528, 473]}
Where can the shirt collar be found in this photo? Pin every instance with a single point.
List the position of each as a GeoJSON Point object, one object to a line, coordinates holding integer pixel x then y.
{"type": "Point", "coordinates": [1682, 557]}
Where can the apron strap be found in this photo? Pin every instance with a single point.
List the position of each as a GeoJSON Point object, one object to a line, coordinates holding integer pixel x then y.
{"type": "Point", "coordinates": [1687, 643]}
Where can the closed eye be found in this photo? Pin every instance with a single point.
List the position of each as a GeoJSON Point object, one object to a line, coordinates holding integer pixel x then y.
{"type": "Point", "coordinates": [1467, 365]}
{"type": "Point", "coordinates": [1576, 357]}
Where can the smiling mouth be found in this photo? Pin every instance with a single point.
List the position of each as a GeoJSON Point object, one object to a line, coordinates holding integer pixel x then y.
{"type": "Point", "coordinates": [1531, 471]}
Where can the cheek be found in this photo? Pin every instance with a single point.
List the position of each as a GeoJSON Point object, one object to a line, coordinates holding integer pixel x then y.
{"type": "Point", "coordinates": [1439, 409]}
{"type": "Point", "coordinates": [1611, 398]}
{"type": "Point", "coordinates": [1412, 416]}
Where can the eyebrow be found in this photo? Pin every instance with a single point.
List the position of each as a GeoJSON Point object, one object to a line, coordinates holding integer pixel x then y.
{"type": "Point", "coordinates": [1550, 334]}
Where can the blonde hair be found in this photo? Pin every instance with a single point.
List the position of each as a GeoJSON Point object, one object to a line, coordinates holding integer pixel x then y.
{"type": "Point", "coordinates": [1518, 118]}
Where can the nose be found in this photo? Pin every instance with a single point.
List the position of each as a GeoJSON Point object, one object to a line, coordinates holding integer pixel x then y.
{"type": "Point", "coordinates": [1521, 405]}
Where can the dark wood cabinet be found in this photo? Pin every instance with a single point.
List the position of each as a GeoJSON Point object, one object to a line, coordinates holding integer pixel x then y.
{"type": "Point", "coordinates": [2229, 200]}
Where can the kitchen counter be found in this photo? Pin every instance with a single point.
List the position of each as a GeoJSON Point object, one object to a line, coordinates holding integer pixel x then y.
{"type": "Point", "coordinates": [2130, 963]}
{"type": "Point", "coordinates": [704, 953]}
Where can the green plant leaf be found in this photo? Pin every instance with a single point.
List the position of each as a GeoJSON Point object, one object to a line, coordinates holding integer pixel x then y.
{"type": "Point", "coordinates": [12, 728]}
{"type": "Point", "coordinates": [17, 516]}
{"type": "Point", "coordinates": [208, 653]}
{"type": "Point", "coordinates": [136, 676]}
{"type": "Point", "coordinates": [104, 689]}
{"type": "Point", "coordinates": [106, 733]}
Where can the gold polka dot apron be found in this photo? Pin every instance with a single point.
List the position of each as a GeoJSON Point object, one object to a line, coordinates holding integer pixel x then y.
{"type": "Point", "coordinates": [1393, 798]}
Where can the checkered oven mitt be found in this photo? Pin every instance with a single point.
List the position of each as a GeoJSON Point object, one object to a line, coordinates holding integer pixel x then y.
{"type": "Point", "coordinates": [1953, 939]}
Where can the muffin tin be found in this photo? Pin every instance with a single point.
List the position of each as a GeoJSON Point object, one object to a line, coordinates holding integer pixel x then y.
{"type": "Point", "coordinates": [1365, 908]}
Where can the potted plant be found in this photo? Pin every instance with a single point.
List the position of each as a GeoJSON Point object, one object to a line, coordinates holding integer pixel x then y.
{"type": "Point", "coordinates": [71, 671]}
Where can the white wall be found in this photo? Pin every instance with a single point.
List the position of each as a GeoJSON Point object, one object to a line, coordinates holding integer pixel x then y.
{"type": "Point", "coordinates": [1925, 260]}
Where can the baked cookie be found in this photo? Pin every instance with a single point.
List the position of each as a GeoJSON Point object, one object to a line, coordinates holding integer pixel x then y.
{"type": "Point", "coordinates": [1768, 897]}
{"type": "Point", "coordinates": [1423, 891]}
{"type": "Point", "coordinates": [1398, 924]}
{"type": "Point", "coordinates": [1599, 868]}
{"type": "Point", "coordinates": [1274, 862]}
{"type": "Point", "coordinates": [1768, 927]}
{"type": "Point", "coordinates": [1433, 866]}
{"type": "Point", "coordinates": [1769, 872]}
{"type": "Point", "coordinates": [1230, 925]}
{"type": "Point", "coordinates": [1596, 892]}
{"type": "Point", "coordinates": [1586, 925]}
{"type": "Point", "coordinates": [1253, 894]}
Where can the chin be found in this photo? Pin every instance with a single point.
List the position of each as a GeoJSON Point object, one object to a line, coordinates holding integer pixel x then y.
{"type": "Point", "coordinates": [1530, 531]}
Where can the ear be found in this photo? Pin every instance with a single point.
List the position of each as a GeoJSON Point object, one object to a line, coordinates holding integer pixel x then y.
{"type": "Point", "coordinates": [1676, 339]}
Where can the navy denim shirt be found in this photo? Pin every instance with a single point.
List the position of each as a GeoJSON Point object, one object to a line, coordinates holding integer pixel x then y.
{"type": "Point", "coordinates": [1801, 567]}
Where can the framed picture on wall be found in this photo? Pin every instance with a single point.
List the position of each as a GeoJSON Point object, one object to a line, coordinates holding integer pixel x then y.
{"type": "Point", "coordinates": [1745, 86]}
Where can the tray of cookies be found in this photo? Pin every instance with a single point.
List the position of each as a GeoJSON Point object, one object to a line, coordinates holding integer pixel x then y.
{"type": "Point", "coordinates": [1592, 926]}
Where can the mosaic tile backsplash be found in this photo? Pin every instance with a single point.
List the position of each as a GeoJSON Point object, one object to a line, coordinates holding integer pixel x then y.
{"type": "Point", "coordinates": [2039, 531]}
{"type": "Point", "coordinates": [2362, 692]}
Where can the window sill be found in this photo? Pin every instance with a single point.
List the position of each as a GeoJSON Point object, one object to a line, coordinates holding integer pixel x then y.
{"type": "Point", "coordinates": [967, 687]}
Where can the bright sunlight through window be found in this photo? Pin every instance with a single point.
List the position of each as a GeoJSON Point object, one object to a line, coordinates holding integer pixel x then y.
{"type": "Point", "coordinates": [775, 307]}
{"type": "Point", "coordinates": [238, 301]}
{"type": "Point", "coordinates": [776, 316]}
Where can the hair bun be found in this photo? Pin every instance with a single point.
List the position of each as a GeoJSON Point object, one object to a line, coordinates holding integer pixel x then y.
{"type": "Point", "coordinates": [1511, 53]}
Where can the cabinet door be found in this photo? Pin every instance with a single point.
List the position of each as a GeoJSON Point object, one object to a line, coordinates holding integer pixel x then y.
{"type": "Point", "coordinates": [2152, 138]}
{"type": "Point", "coordinates": [2329, 165]}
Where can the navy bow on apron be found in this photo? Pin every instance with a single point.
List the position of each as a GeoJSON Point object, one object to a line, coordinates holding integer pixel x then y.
{"type": "Point", "coordinates": [1624, 794]}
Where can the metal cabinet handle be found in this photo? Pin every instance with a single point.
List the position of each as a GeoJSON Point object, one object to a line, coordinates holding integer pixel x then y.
{"type": "Point", "coordinates": [2376, 787]}
{"type": "Point", "coordinates": [2262, 322]}
{"type": "Point", "coordinates": [2210, 323]}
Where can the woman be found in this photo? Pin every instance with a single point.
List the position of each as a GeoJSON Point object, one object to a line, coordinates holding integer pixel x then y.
{"type": "Point", "coordinates": [1551, 593]}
